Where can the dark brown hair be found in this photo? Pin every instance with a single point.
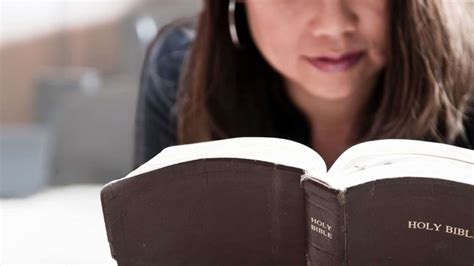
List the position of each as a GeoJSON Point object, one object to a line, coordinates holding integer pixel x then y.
{"type": "Point", "coordinates": [423, 93]}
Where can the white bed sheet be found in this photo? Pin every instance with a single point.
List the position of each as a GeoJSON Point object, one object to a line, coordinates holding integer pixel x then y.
{"type": "Point", "coordinates": [62, 225]}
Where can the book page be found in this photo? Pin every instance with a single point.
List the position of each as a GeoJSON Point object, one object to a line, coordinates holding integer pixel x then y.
{"type": "Point", "coordinates": [392, 158]}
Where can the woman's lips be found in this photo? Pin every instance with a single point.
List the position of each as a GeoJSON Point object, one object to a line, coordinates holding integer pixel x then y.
{"type": "Point", "coordinates": [332, 65]}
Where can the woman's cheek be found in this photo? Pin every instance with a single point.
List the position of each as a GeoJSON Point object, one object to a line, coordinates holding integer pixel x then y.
{"type": "Point", "coordinates": [277, 48]}
{"type": "Point", "coordinates": [274, 37]}
{"type": "Point", "coordinates": [375, 28]}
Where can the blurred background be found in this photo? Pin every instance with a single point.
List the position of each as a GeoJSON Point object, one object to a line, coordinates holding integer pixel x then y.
{"type": "Point", "coordinates": [69, 75]}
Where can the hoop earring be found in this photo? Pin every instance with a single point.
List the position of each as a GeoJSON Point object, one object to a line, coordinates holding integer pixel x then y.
{"type": "Point", "coordinates": [232, 25]}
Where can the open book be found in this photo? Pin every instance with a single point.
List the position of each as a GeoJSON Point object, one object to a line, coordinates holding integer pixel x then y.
{"type": "Point", "coordinates": [269, 201]}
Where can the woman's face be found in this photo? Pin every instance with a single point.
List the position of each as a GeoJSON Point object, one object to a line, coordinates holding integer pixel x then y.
{"type": "Point", "coordinates": [330, 48]}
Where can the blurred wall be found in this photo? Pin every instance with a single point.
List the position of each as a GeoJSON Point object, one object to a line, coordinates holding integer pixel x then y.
{"type": "Point", "coordinates": [22, 63]}
{"type": "Point", "coordinates": [99, 45]}
{"type": "Point", "coordinates": [69, 86]}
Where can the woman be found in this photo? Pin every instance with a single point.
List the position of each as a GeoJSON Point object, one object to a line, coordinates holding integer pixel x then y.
{"type": "Point", "coordinates": [325, 73]}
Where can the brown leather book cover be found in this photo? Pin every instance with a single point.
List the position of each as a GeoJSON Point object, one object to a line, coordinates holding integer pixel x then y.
{"type": "Point", "coordinates": [232, 211]}
{"type": "Point", "coordinates": [400, 221]}
{"type": "Point", "coordinates": [208, 212]}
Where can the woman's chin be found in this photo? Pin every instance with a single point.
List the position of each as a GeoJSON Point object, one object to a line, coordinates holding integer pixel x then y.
{"type": "Point", "coordinates": [332, 94]}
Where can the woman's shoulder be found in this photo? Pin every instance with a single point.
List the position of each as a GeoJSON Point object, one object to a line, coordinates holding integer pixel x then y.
{"type": "Point", "coordinates": [166, 52]}
{"type": "Point", "coordinates": [162, 65]}
{"type": "Point", "coordinates": [155, 127]}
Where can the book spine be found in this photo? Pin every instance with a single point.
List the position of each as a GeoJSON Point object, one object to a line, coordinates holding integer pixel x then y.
{"type": "Point", "coordinates": [325, 224]}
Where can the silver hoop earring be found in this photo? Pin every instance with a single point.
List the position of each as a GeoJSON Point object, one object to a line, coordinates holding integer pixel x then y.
{"type": "Point", "coordinates": [232, 25]}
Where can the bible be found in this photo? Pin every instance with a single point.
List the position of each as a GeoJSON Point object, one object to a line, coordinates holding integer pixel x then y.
{"type": "Point", "coordinates": [270, 201]}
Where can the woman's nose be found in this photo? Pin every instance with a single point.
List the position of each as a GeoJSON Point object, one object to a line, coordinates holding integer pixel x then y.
{"type": "Point", "coordinates": [332, 18]}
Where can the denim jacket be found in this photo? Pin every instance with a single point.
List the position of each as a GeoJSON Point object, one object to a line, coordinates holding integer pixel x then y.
{"type": "Point", "coordinates": [155, 125]}
{"type": "Point", "coordinates": [156, 110]}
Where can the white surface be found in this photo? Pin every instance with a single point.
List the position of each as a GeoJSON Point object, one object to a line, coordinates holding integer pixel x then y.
{"type": "Point", "coordinates": [62, 226]}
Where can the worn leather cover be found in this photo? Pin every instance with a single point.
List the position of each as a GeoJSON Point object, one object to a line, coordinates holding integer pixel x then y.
{"type": "Point", "coordinates": [325, 225]}
{"type": "Point", "coordinates": [400, 221]}
{"type": "Point", "coordinates": [208, 212]}
{"type": "Point", "coordinates": [410, 221]}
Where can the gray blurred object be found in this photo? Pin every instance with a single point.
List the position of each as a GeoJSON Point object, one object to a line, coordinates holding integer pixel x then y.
{"type": "Point", "coordinates": [91, 118]}
{"type": "Point", "coordinates": [55, 84]}
{"type": "Point", "coordinates": [28, 159]}
{"type": "Point", "coordinates": [94, 133]}
{"type": "Point", "coordinates": [25, 159]}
